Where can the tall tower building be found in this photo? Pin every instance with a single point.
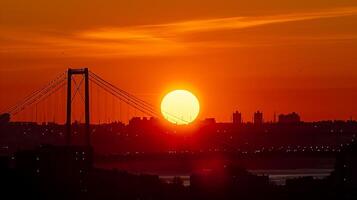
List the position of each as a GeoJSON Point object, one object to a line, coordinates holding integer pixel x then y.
{"type": "Point", "coordinates": [237, 117]}
{"type": "Point", "coordinates": [258, 117]}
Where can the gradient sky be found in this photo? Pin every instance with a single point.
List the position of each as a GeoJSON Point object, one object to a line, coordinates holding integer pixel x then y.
{"type": "Point", "coordinates": [275, 56]}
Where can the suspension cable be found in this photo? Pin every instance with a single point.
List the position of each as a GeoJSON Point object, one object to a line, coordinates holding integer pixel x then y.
{"type": "Point", "coordinates": [131, 98]}
{"type": "Point", "coordinates": [34, 94]}
{"type": "Point", "coordinates": [123, 99]}
{"type": "Point", "coordinates": [42, 95]}
{"type": "Point", "coordinates": [118, 91]}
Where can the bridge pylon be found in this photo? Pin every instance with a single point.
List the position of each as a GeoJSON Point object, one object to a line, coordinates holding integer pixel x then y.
{"type": "Point", "coordinates": [85, 73]}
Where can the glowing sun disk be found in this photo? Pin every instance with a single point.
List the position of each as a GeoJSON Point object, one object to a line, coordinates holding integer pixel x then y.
{"type": "Point", "coordinates": [180, 107]}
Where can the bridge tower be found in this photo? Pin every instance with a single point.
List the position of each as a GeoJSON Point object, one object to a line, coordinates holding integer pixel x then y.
{"type": "Point", "coordinates": [85, 73]}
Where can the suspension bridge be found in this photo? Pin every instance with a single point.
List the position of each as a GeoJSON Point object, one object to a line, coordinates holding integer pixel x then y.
{"type": "Point", "coordinates": [84, 97]}
{"type": "Point", "coordinates": [81, 95]}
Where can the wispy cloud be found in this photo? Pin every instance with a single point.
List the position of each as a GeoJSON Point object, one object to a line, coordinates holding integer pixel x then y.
{"type": "Point", "coordinates": [159, 32]}
{"type": "Point", "coordinates": [157, 39]}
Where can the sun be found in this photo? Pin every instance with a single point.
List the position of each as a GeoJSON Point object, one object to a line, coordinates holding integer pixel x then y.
{"type": "Point", "coordinates": [180, 107]}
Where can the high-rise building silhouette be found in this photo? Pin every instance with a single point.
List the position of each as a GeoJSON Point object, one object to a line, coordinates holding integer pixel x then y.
{"type": "Point", "coordinates": [237, 117]}
{"type": "Point", "coordinates": [258, 117]}
{"type": "Point", "coordinates": [290, 118]}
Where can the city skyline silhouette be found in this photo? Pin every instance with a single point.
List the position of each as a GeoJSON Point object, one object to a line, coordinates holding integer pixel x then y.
{"type": "Point", "coordinates": [178, 100]}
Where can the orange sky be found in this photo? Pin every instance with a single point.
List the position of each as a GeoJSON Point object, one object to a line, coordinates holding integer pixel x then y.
{"type": "Point", "coordinates": [275, 56]}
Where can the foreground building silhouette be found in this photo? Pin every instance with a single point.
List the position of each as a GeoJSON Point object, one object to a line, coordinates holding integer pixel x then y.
{"type": "Point", "coordinates": [68, 172]}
